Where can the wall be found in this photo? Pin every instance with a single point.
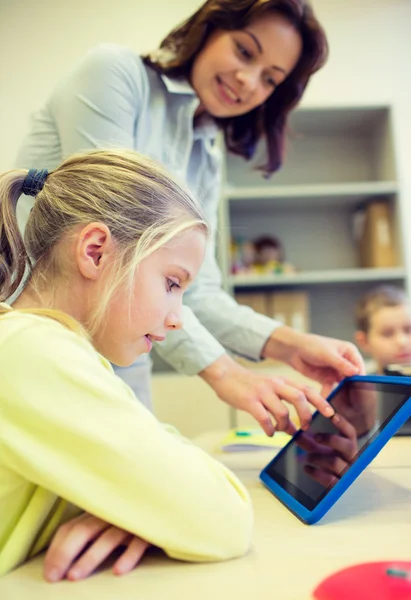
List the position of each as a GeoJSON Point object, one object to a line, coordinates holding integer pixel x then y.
{"type": "Point", "coordinates": [370, 45]}
{"type": "Point", "coordinates": [40, 39]}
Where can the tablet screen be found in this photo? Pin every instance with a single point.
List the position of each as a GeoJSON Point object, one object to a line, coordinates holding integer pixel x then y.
{"type": "Point", "coordinates": [307, 469]}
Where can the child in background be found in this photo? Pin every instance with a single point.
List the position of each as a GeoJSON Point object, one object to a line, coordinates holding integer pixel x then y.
{"type": "Point", "coordinates": [383, 322]}
{"type": "Point", "coordinates": [115, 242]}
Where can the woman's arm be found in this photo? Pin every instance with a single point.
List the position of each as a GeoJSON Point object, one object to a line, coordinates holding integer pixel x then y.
{"type": "Point", "coordinates": [95, 105]}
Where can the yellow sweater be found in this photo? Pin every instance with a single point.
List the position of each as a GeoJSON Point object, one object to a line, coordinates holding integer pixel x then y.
{"type": "Point", "coordinates": [72, 436]}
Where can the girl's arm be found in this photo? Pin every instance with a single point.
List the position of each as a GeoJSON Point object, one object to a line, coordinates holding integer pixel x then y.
{"type": "Point", "coordinates": [72, 427]}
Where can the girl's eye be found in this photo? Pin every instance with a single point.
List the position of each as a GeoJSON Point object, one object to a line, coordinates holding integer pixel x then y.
{"type": "Point", "coordinates": [171, 284]}
{"type": "Point", "coordinates": [243, 51]}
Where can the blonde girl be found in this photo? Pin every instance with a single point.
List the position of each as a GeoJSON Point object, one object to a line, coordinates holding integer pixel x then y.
{"type": "Point", "coordinates": [111, 244]}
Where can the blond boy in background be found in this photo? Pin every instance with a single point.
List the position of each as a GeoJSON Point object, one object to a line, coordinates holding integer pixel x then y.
{"type": "Point", "coordinates": [383, 323]}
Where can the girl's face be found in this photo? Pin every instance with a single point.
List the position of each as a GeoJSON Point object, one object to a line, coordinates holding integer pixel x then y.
{"type": "Point", "coordinates": [237, 71]}
{"type": "Point", "coordinates": [154, 308]}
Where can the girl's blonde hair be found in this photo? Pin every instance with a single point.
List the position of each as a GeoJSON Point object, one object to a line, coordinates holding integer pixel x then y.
{"type": "Point", "coordinates": [140, 203]}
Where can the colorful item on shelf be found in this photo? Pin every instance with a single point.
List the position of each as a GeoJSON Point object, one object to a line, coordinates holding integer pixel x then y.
{"type": "Point", "coordinates": [260, 256]}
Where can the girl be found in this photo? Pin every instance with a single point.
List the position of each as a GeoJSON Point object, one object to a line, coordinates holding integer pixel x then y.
{"type": "Point", "coordinates": [239, 66]}
{"type": "Point", "coordinates": [115, 242]}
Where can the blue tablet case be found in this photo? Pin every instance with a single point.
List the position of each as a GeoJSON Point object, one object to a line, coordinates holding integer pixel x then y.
{"type": "Point", "coordinates": [371, 450]}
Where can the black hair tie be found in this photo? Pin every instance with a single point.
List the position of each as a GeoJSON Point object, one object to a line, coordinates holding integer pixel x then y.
{"type": "Point", "coordinates": [34, 182]}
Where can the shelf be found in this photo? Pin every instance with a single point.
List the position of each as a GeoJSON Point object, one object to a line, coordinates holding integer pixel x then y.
{"type": "Point", "coordinates": [317, 277]}
{"type": "Point", "coordinates": [318, 194]}
{"type": "Point", "coordinates": [339, 120]}
{"type": "Point", "coordinates": [336, 159]}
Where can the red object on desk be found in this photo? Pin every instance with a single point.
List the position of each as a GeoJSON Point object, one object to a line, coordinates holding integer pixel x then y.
{"type": "Point", "coordinates": [368, 581]}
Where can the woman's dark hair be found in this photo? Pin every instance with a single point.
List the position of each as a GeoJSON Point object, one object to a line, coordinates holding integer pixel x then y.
{"type": "Point", "coordinates": [242, 133]}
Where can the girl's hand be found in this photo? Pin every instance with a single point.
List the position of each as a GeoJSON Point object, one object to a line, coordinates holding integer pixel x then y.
{"type": "Point", "coordinates": [263, 397]}
{"type": "Point", "coordinates": [82, 544]}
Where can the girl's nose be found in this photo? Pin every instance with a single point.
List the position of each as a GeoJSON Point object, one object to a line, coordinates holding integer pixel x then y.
{"type": "Point", "coordinates": [174, 320]}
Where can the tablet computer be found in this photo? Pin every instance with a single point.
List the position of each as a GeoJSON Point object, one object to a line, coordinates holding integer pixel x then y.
{"type": "Point", "coordinates": [317, 465]}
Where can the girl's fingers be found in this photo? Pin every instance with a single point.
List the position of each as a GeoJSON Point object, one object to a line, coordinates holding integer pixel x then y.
{"type": "Point", "coordinates": [131, 556]}
{"type": "Point", "coordinates": [94, 556]}
{"type": "Point", "coordinates": [70, 539]}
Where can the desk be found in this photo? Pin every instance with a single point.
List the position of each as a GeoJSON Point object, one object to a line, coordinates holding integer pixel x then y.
{"type": "Point", "coordinates": [372, 521]}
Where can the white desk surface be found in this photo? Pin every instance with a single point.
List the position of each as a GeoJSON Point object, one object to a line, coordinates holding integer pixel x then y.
{"type": "Point", "coordinates": [371, 522]}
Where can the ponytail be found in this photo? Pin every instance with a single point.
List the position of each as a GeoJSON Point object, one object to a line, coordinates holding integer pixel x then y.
{"type": "Point", "coordinates": [141, 204]}
{"type": "Point", "coordinates": [13, 254]}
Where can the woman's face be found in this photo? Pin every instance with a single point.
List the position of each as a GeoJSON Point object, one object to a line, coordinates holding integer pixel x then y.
{"type": "Point", "coordinates": [237, 71]}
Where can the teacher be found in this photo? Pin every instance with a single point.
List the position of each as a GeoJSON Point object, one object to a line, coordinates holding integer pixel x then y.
{"type": "Point", "coordinates": [238, 66]}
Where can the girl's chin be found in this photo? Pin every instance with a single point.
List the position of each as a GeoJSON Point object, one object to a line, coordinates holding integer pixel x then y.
{"type": "Point", "coordinates": [126, 359]}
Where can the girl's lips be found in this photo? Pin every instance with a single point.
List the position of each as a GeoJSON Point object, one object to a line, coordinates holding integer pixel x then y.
{"type": "Point", "coordinates": [156, 338]}
{"type": "Point", "coordinates": [153, 338]}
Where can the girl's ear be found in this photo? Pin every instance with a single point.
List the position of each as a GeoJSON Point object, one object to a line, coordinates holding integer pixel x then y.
{"type": "Point", "coordinates": [95, 246]}
{"type": "Point", "coordinates": [361, 339]}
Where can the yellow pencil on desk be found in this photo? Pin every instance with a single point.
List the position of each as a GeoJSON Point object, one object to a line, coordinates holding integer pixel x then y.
{"type": "Point", "coordinates": [243, 439]}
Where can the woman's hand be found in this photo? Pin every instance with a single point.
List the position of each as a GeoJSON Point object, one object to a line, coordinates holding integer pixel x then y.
{"type": "Point", "coordinates": [263, 397]}
{"type": "Point", "coordinates": [82, 544]}
{"type": "Point", "coordinates": [320, 358]}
